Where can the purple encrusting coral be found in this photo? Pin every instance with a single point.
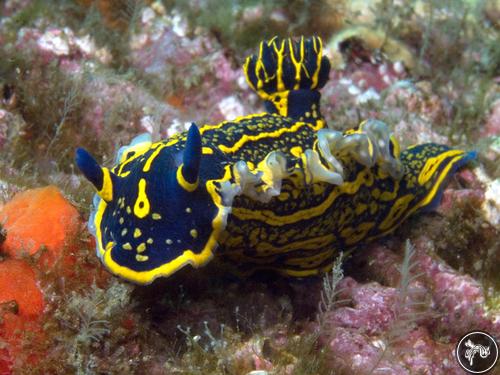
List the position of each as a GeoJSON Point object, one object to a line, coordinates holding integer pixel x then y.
{"type": "Point", "coordinates": [97, 73]}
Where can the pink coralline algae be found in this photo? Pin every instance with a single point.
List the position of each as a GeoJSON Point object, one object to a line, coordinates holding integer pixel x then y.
{"type": "Point", "coordinates": [492, 125]}
{"type": "Point", "coordinates": [459, 299]}
{"type": "Point", "coordinates": [360, 334]}
{"type": "Point", "coordinates": [371, 328]}
{"type": "Point", "coordinates": [359, 73]}
{"type": "Point", "coordinates": [470, 194]}
{"type": "Point", "coordinates": [417, 98]}
{"type": "Point", "coordinates": [421, 354]}
{"type": "Point", "coordinates": [452, 197]}
{"type": "Point", "coordinates": [368, 79]}
{"type": "Point", "coordinates": [356, 335]}
{"type": "Point", "coordinates": [135, 110]}
{"type": "Point", "coordinates": [198, 69]}
{"type": "Point", "coordinates": [111, 103]}
{"type": "Point", "coordinates": [62, 45]}
{"type": "Point", "coordinates": [415, 110]}
{"type": "Point", "coordinates": [372, 307]}
{"type": "Point", "coordinates": [352, 351]}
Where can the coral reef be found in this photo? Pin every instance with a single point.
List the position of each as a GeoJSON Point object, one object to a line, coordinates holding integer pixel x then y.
{"type": "Point", "coordinates": [97, 73]}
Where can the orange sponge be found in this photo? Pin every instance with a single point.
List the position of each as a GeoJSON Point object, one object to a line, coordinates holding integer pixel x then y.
{"type": "Point", "coordinates": [38, 217]}
{"type": "Point", "coordinates": [21, 303]}
{"type": "Point", "coordinates": [18, 283]}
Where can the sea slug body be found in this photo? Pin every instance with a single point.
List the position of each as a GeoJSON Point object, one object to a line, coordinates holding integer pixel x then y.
{"type": "Point", "coordinates": [277, 190]}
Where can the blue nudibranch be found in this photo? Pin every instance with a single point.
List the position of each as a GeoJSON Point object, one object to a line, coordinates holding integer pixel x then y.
{"type": "Point", "coordinates": [276, 190]}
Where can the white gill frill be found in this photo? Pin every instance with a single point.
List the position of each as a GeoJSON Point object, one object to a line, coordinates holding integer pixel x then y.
{"type": "Point", "coordinates": [380, 136]}
{"type": "Point", "coordinates": [369, 146]}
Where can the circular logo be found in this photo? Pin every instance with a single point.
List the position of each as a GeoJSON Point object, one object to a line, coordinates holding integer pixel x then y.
{"type": "Point", "coordinates": [477, 352]}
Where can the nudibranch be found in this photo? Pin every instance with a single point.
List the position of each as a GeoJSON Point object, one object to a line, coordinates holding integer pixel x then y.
{"type": "Point", "coordinates": [278, 190]}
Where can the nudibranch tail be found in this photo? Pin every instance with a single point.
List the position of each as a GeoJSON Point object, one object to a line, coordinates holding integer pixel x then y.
{"type": "Point", "coordinates": [287, 74]}
{"type": "Point", "coordinates": [429, 167]}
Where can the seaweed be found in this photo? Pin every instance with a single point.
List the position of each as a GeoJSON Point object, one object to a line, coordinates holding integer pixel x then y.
{"type": "Point", "coordinates": [475, 248]}
{"type": "Point", "coordinates": [408, 308]}
{"type": "Point", "coordinates": [50, 102]}
{"type": "Point", "coordinates": [80, 326]}
{"type": "Point", "coordinates": [110, 25]}
{"type": "Point", "coordinates": [45, 12]}
{"type": "Point", "coordinates": [206, 353]}
{"type": "Point", "coordinates": [329, 294]}
{"type": "Point", "coordinates": [310, 357]}
{"type": "Point", "coordinates": [92, 311]}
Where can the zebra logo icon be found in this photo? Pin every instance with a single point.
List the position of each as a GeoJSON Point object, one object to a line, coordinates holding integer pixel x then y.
{"type": "Point", "coordinates": [477, 352]}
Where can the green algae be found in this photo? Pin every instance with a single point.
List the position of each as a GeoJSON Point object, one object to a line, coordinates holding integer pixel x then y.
{"type": "Point", "coordinates": [50, 102]}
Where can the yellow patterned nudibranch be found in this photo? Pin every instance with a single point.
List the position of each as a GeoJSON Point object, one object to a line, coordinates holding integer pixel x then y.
{"type": "Point", "coordinates": [276, 190]}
